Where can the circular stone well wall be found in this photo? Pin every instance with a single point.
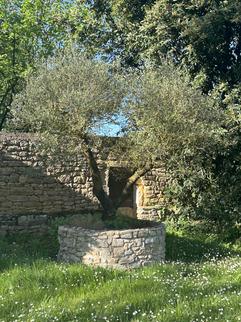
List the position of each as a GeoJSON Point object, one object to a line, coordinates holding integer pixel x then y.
{"type": "Point", "coordinates": [112, 248]}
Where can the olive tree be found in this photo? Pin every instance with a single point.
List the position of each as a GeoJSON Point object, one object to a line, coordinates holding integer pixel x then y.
{"type": "Point", "coordinates": [64, 102]}
{"type": "Point", "coordinates": [164, 120]}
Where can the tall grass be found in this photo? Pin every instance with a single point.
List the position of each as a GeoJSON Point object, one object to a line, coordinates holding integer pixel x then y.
{"type": "Point", "coordinates": [201, 281]}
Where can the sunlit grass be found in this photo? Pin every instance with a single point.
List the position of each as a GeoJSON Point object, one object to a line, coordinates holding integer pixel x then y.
{"type": "Point", "coordinates": [204, 285]}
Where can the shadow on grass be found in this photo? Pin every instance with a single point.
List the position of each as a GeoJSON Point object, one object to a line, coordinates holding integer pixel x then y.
{"type": "Point", "coordinates": [25, 249]}
{"type": "Point", "coordinates": [189, 249]}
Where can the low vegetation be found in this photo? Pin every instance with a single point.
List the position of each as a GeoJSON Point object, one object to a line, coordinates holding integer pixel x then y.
{"type": "Point", "coordinates": [95, 221]}
{"type": "Point", "coordinates": [201, 281]}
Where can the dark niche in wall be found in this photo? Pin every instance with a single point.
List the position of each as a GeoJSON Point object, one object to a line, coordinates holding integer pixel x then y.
{"type": "Point", "coordinates": [118, 177]}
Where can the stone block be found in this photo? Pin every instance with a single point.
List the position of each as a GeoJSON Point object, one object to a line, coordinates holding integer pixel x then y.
{"type": "Point", "coordinates": [32, 220]}
{"type": "Point", "coordinates": [118, 242]}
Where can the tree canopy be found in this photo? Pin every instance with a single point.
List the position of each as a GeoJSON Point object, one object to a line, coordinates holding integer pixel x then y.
{"type": "Point", "coordinates": [30, 31]}
{"type": "Point", "coordinates": [70, 95]}
{"type": "Point", "coordinates": [203, 36]}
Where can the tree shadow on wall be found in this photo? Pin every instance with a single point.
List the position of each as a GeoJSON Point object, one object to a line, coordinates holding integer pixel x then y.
{"type": "Point", "coordinates": [27, 189]}
{"type": "Point", "coordinates": [30, 189]}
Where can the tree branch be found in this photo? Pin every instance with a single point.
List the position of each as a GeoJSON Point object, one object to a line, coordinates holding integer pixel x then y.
{"type": "Point", "coordinates": [6, 108]}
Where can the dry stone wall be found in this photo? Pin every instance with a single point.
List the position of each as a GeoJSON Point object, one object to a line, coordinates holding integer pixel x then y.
{"type": "Point", "coordinates": [152, 213]}
{"type": "Point", "coordinates": [153, 183]}
{"type": "Point", "coordinates": [30, 192]}
{"type": "Point", "coordinates": [121, 249]}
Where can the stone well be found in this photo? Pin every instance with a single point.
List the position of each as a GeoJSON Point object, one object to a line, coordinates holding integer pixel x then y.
{"type": "Point", "coordinates": [112, 248]}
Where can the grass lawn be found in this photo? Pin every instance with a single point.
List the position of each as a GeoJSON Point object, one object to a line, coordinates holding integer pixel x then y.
{"type": "Point", "coordinates": [201, 281]}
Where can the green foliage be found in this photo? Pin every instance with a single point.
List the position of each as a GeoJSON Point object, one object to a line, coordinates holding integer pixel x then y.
{"type": "Point", "coordinates": [30, 31]}
{"type": "Point", "coordinates": [87, 221]}
{"type": "Point", "coordinates": [174, 124]}
{"type": "Point", "coordinates": [168, 118]}
{"type": "Point", "coordinates": [124, 222]}
{"type": "Point", "coordinates": [96, 222]}
{"type": "Point", "coordinates": [65, 99]}
{"type": "Point", "coordinates": [108, 28]}
{"type": "Point", "coordinates": [203, 36]}
{"type": "Point", "coordinates": [214, 193]}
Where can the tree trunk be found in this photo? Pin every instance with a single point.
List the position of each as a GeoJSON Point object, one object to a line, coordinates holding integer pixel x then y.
{"type": "Point", "coordinates": [5, 103]}
{"type": "Point", "coordinates": [107, 204]}
{"type": "Point", "coordinates": [98, 188]}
